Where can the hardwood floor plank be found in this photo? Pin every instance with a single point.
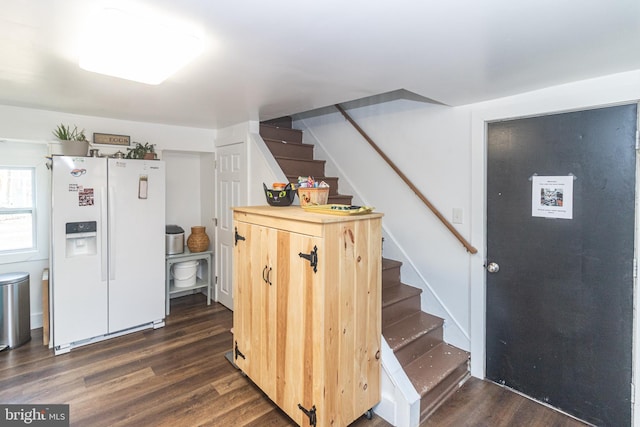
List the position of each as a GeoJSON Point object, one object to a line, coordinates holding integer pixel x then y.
{"type": "Point", "coordinates": [120, 382]}
{"type": "Point", "coordinates": [229, 383]}
{"type": "Point", "coordinates": [481, 403]}
{"type": "Point", "coordinates": [274, 418]}
{"type": "Point", "coordinates": [146, 399]}
{"type": "Point", "coordinates": [242, 403]}
{"type": "Point", "coordinates": [178, 376]}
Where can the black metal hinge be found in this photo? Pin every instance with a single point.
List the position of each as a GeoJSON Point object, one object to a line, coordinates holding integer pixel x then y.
{"type": "Point", "coordinates": [238, 237]}
{"type": "Point", "coordinates": [237, 352]}
{"type": "Point", "coordinates": [311, 413]}
{"type": "Point", "coordinates": [312, 257]}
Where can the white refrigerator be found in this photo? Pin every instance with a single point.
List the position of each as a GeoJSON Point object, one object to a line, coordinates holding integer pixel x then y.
{"type": "Point", "coordinates": [108, 250]}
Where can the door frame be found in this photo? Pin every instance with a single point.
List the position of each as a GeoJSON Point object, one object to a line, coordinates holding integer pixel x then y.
{"type": "Point", "coordinates": [477, 280]}
{"type": "Point", "coordinates": [237, 143]}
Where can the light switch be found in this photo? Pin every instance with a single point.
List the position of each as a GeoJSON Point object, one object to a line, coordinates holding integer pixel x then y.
{"type": "Point", "coordinates": [457, 215]}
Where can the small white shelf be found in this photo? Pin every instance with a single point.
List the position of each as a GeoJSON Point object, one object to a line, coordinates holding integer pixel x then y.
{"type": "Point", "coordinates": [200, 283]}
{"type": "Point", "coordinates": [203, 280]}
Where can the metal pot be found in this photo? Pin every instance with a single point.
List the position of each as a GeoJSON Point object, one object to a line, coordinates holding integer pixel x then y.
{"type": "Point", "coordinates": [118, 155]}
{"type": "Point", "coordinates": [174, 239]}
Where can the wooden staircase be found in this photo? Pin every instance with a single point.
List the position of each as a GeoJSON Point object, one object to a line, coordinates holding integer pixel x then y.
{"type": "Point", "coordinates": [295, 158]}
{"type": "Point", "coordinates": [435, 368]}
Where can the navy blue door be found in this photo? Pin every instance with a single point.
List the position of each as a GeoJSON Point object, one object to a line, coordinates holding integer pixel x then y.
{"type": "Point", "coordinates": [560, 306]}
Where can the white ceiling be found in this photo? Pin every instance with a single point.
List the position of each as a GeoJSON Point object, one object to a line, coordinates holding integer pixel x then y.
{"type": "Point", "coordinates": [266, 59]}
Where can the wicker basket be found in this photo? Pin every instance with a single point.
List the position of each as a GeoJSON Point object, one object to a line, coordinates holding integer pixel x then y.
{"type": "Point", "coordinates": [198, 240]}
{"type": "Point", "coordinates": [313, 196]}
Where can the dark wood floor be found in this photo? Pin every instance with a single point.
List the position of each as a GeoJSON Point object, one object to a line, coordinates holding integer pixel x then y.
{"type": "Point", "coordinates": [178, 376]}
{"type": "Point", "coordinates": [481, 403]}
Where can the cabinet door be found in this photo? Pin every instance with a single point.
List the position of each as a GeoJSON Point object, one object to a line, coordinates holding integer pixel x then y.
{"type": "Point", "coordinates": [299, 322]}
{"type": "Point", "coordinates": [254, 303]}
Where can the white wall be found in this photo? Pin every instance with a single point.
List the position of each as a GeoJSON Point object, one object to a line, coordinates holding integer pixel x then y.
{"type": "Point", "coordinates": [187, 147]}
{"type": "Point", "coordinates": [430, 144]}
{"type": "Point", "coordinates": [31, 124]}
{"type": "Point", "coordinates": [183, 189]}
{"type": "Point", "coordinates": [442, 150]}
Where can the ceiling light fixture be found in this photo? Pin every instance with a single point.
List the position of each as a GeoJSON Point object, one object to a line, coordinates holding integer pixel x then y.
{"type": "Point", "coordinates": [137, 48]}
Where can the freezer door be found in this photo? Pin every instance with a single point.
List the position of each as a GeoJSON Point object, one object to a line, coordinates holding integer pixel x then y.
{"type": "Point", "coordinates": [78, 252]}
{"type": "Point", "coordinates": [136, 242]}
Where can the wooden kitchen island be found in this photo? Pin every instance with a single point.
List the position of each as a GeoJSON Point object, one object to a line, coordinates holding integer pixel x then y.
{"type": "Point", "coordinates": [307, 310]}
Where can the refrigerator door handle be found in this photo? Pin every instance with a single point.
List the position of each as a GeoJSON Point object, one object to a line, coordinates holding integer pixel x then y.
{"type": "Point", "coordinates": [112, 234]}
{"type": "Point", "coordinates": [103, 235]}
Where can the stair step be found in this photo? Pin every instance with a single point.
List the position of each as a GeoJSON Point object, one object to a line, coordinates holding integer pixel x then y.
{"type": "Point", "coordinates": [291, 150]}
{"type": "Point", "coordinates": [435, 368]}
{"type": "Point", "coordinates": [282, 122]}
{"type": "Point", "coordinates": [390, 272]}
{"type": "Point", "coordinates": [399, 301]}
{"type": "Point", "coordinates": [301, 167]}
{"type": "Point", "coordinates": [397, 293]}
{"type": "Point", "coordinates": [281, 133]}
{"type": "Point", "coordinates": [413, 336]}
{"type": "Point", "coordinates": [339, 199]}
{"type": "Point", "coordinates": [437, 374]}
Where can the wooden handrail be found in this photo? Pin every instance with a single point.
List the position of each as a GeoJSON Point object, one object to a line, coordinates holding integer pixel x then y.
{"type": "Point", "coordinates": [426, 201]}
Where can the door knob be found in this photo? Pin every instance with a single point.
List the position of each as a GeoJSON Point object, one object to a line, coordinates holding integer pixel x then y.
{"type": "Point", "coordinates": [493, 267]}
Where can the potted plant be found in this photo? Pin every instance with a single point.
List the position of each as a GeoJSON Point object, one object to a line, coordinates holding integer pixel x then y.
{"type": "Point", "coordinates": [73, 141]}
{"type": "Point", "coordinates": [142, 151]}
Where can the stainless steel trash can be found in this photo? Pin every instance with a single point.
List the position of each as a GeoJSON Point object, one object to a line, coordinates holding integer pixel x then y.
{"type": "Point", "coordinates": [15, 316]}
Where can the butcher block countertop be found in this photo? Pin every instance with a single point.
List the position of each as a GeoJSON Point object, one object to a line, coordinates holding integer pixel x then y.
{"type": "Point", "coordinates": [304, 222]}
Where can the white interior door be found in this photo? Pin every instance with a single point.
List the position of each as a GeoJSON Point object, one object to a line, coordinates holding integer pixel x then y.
{"type": "Point", "coordinates": [232, 189]}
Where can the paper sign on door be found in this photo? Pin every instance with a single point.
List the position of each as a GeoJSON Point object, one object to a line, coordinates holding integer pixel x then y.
{"type": "Point", "coordinates": [552, 196]}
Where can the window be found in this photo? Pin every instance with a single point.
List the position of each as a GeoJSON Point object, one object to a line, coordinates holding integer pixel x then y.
{"type": "Point", "coordinates": [17, 213]}
{"type": "Point", "coordinates": [25, 202]}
